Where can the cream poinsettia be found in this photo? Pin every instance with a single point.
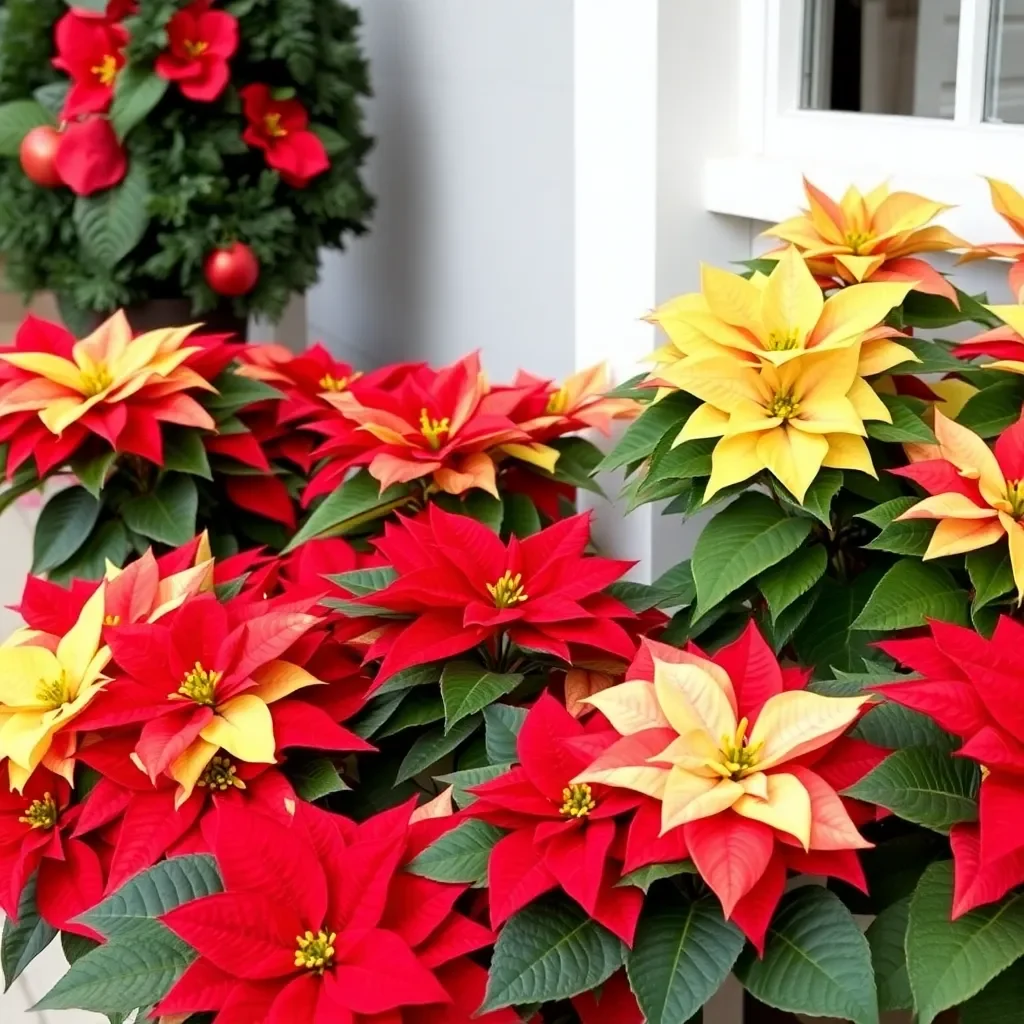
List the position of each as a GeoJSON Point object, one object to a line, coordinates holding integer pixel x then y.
{"type": "Point", "coordinates": [778, 318]}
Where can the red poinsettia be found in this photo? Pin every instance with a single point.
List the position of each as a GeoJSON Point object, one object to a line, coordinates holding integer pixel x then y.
{"type": "Point", "coordinates": [972, 688]}
{"type": "Point", "coordinates": [36, 833]}
{"type": "Point", "coordinates": [56, 392]}
{"type": "Point", "coordinates": [326, 928]}
{"type": "Point", "coordinates": [201, 42]}
{"type": "Point", "coordinates": [90, 156]}
{"type": "Point", "coordinates": [447, 425]}
{"type": "Point", "coordinates": [210, 680]}
{"type": "Point", "coordinates": [562, 833]}
{"type": "Point", "coordinates": [742, 768]}
{"type": "Point", "coordinates": [91, 51]}
{"type": "Point", "coordinates": [465, 587]}
{"type": "Point", "coordinates": [614, 1003]}
{"type": "Point", "coordinates": [281, 129]}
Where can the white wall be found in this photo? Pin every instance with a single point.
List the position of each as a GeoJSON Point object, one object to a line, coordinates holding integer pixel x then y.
{"type": "Point", "coordinates": [472, 243]}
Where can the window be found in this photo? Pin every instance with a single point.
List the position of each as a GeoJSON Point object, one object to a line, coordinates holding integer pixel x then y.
{"type": "Point", "coordinates": [929, 93]}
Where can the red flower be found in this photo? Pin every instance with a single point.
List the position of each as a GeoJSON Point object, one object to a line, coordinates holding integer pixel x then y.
{"type": "Point", "coordinates": [742, 854]}
{"type": "Point", "coordinates": [210, 680]}
{"type": "Point", "coordinates": [972, 688]}
{"type": "Point", "coordinates": [280, 129]}
{"type": "Point", "coordinates": [445, 424]}
{"type": "Point", "coordinates": [562, 835]}
{"type": "Point", "coordinates": [613, 1004]}
{"type": "Point", "coordinates": [90, 158]}
{"type": "Point", "coordinates": [89, 49]}
{"type": "Point", "coordinates": [317, 923]}
{"type": "Point", "coordinates": [465, 587]}
{"type": "Point", "coordinates": [201, 43]}
{"type": "Point", "coordinates": [36, 832]}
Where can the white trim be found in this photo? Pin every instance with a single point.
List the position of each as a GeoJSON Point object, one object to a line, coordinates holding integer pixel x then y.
{"type": "Point", "coordinates": [972, 61]}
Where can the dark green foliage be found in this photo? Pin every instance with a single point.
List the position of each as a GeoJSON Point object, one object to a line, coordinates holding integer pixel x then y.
{"type": "Point", "coordinates": [207, 187]}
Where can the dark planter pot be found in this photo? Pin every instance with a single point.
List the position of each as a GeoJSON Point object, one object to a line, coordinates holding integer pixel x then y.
{"type": "Point", "coordinates": [158, 313]}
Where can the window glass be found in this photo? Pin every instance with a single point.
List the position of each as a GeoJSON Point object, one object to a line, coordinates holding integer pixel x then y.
{"type": "Point", "coordinates": [882, 56]}
{"type": "Point", "coordinates": [1004, 95]}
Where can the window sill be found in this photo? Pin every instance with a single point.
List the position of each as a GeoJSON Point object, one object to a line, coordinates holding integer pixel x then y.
{"type": "Point", "coordinates": [770, 190]}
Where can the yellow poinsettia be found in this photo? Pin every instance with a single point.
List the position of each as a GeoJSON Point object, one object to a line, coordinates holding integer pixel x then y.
{"type": "Point", "coordinates": [42, 690]}
{"type": "Point", "coordinates": [871, 236]}
{"type": "Point", "coordinates": [779, 317]}
{"type": "Point", "coordinates": [976, 495]}
{"type": "Point", "coordinates": [792, 419]}
{"type": "Point", "coordinates": [1009, 204]}
{"type": "Point", "coordinates": [702, 743]}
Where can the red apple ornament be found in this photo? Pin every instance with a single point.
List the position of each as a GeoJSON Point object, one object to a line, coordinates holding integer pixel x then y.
{"type": "Point", "coordinates": [38, 156]}
{"type": "Point", "coordinates": [233, 270]}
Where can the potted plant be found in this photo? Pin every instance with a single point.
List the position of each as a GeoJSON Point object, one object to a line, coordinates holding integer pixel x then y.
{"type": "Point", "coordinates": [182, 160]}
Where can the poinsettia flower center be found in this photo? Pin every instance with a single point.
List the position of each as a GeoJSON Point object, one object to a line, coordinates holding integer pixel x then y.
{"type": "Point", "coordinates": [331, 383]}
{"type": "Point", "coordinates": [435, 431]}
{"type": "Point", "coordinates": [784, 406]}
{"type": "Point", "coordinates": [200, 685]}
{"type": "Point", "coordinates": [106, 70]}
{"type": "Point", "coordinates": [41, 813]}
{"type": "Point", "coordinates": [1015, 496]}
{"type": "Point", "coordinates": [196, 49]}
{"type": "Point", "coordinates": [738, 759]}
{"type": "Point", "coordinates": [784, 341]}
{"type": "Point", "coordinates": [508, 590]}
{"type": "Point", "coordinates": [221, 774]}
{"type": "Point", "coordinates": [98, 379]}
{"type": "Point", "coordinates": [856, 240]}
{"type": "Point", "coordinates": [273, 127]}
{"type": "Point", "coordinates": [315, 952]}
{"type": "Point", "coordinates": [578, 800]}
{"type": "Point", "coordinates": [54, 693]}
{"type": "Point", "coordinates": [558, 401]}
{"type": "Point", "coordinates": [111, 620]}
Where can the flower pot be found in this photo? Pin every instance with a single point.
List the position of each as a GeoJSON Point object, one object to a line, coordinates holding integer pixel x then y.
{"type": "Point", "coordinates": [157, 313]}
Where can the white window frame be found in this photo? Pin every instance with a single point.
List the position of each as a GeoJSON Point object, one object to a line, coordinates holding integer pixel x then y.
{"type": "Point", "coordinates": [778, 142]}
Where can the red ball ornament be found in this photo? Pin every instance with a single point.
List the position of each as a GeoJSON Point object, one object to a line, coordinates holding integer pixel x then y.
{"type": "Point", "coordinates": [38, 155]}
{"type": "Point", "coordinates": [232, 271]}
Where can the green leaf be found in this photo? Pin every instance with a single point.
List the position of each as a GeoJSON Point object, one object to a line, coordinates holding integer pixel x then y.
{"type": "Point", "coordinates": [792, 578]}
{"type": "Point", "coordinates": [108, 543]}
{"type": "Point", "coordinates": [923, 785]}
{"type": "Point", "coordinates": [429, 748]}
{"type": "Point", "coordinates": [816, 961]}
{"type": "Point", "coordinates": [932, 357]}
{"type": "Point", "coordinates": [464, 780]}
{"type": "Point", "coordinates": [749, 536]}
{"type": "Point", "coordinates": [418, 675]}
{"type": "Point", "coordinates": [420, 707]}
{"type": "Point", "coordinates": [76, 946]}
{"type": "Point", "coordinates": [52, 97]}
{"type": "Point", "coordinates": [683, 952]}
{"type": "Point", "coordinates": [459, 856]}
{"type": "Point", "coordinates": [136, 969]}
{"type": "Point", "coordinates": [24, 941]}
{"type": "Point", "coordinates": [137, 92]}
{"type": "Point", "coordinates": [64, 526]}
{"type": "Point", "coordinates": [184, 452]}
{"type": "Point", "coordinates": [886, 936]}
{"type": "Point", "coordinates": [950, 961]}
{"type": "Point", "coordinates": [676, 586]}
{"type": "Point", "coordinates": [825, 639]}
{"type": "Point", "coordinates": [894, 727]}
{"type": "Point", "coordinates": [578, 461]}
{"type": "Point", "coordinates": [999, 1001]}
{"type": "Point", "coordinates": [646, 431]}
{"type": "Point", "coordinates": [991, 574]}
{"type": "Point", "coordinates": [315, 778]}
{"type": "Point", "coordinates": [235, 392]}
{"type": "Point", "coordinates": [882, 515]}
{"type": "Point", "coordinates": [645, 877]}
{"type": "Point", "coordinates": [110, 225]}
{"type": "Point", "coordinates": [467, 687]}
{"type": "Point", "coordinates": [168, 514]}
{"type": "Point", "coordinates": [932, 311]}
{"type": "Point", "coordinates": [502, 723]}
{"type": "Point", "coordinates": [819, 496]}
{"type": "Point", "coordinates": [334, 142]}
{"type": "Point", "coordinates": [521, 516]}
{"type": "Point", "coordinates": [906, 426]}
{"type": "Point", "coordinates": [906, 538]}
{"type": "Point", "coordinates": [17, 119]}
{"type": "Point", "coordinates": [993, 409]}
{"type": "Point", "coordinates": [357, 501]}
{"type": "Point", "coordinates": [910, 593]}
{"type": "Point", "coordinates": [637, 597]}
{"type": "Point", "coordinates": [360, 582]}
{"type": "Point", "coordinates": [156, 891]}
{"type": "Point", "coordinates": [476, 504]}
{"type": "Point", "coordinates": [781, 631]}
{"type": "Point", "coordinates": [92, 473]}
{"type": "Point", "coordinates": [376, 712]}
{"type": "Point", "coordinates": [550, 950]}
